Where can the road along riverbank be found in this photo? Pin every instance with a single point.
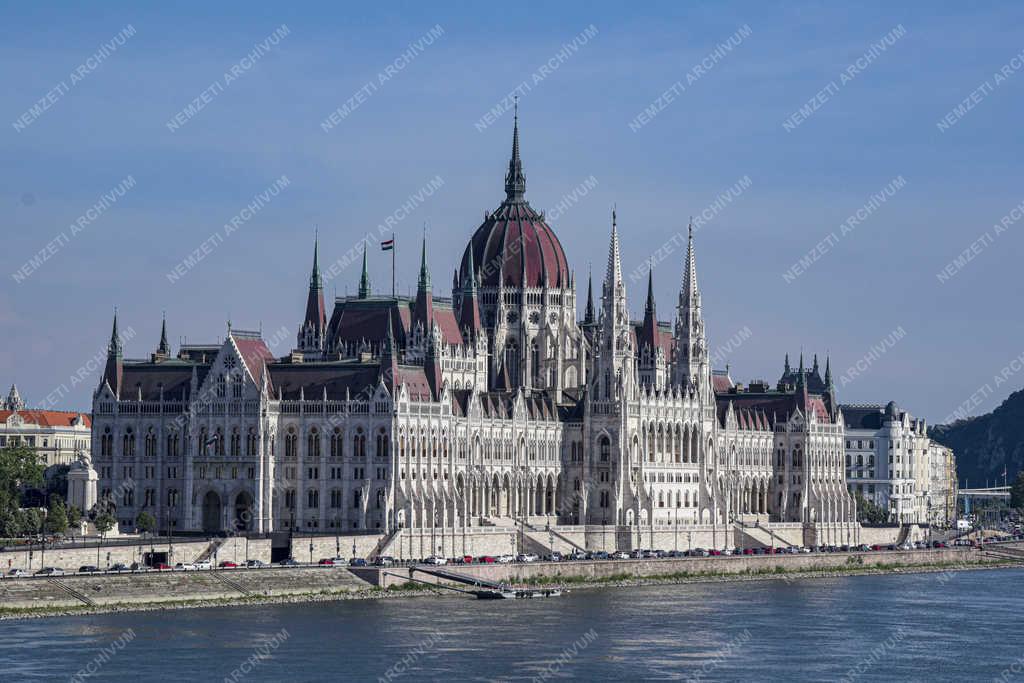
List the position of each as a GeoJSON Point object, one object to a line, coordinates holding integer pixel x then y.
{"type": "Point", "coordinates": [41, 596]}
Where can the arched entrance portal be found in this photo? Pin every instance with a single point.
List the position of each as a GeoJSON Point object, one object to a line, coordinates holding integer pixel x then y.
{"type": "Point", "coordinates": [211, 512]}
{"type": "Point", "coordinates": [243, 512]}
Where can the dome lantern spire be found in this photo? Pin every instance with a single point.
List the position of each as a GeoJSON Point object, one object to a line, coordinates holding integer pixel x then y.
{"type": "Point", "coordinates": [515, 181]}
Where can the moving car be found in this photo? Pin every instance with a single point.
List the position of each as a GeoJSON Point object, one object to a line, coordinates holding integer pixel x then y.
{"type": "Point", "coordinates": [228, 564]}
{"type": "Point", "coordinates": [526, 557]}
{"type": "Point", "coordinates": [485, 559]}
{"type": "Point", "coordinates": [504, 559]}
{"type": "Point", "coordinates": [357, 562]}
{"type": "Point", "coordinates": [554, 557]}
{"type": "Point", "coordinates": [162, 566]}
{"type": "Point", "coordinates": [435, 560]}
{"type": "Point", "coordinates": [387, 561]}
{"type": "Point", "coordinates": [184, 567]}
{"type": "Point", "coordinates": [204, 564]}
{"type": "Point", "coordinates": [288, 562]}
{"type": "Point", "coordinates": [119, 567]}
{"type": "Point", "coordinates": [17, 572]}
{"type": "Point", "coordinates": [254, 564]}
{"type": "Point", "coordinates": [88, 569]}
{"type": "Point", "coordinates": [620, 555]}
{"type": "Point", "coordinates": [50, 571]}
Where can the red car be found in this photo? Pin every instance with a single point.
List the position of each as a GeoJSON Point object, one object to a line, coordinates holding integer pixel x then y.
{"type": "Point", "coordinates": [748, 551]}
{"type": "Point", "coordinates": [327, 562]}
{"type": "Point", "coordinates": [467, 559]}
{"type": "Point", "coordinates": [714, 552]}
{"type": "Point", "coordinates": [485, 559]}
{"type": "Point", "coordinates": [227, 564]}
{"type": "Point", "coordinates": [160, 566]}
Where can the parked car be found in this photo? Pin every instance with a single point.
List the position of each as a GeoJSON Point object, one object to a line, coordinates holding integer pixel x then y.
{"type": "Point", "coordinates": [387, 561]}
{"type": "Point", "coordinates": [433, 559]}
{"type": "Point", "coordinates": [554, 557]}
{"type": "Point", "coordinates": [119, 567]}
{"type": "Point", "coordinates": [50, 571]}
{"type": "Point", "coordinates": [228, 564]}
{"type": "Point", "coordinates": [204, 564]}
{"type": "Point", "coordinates": [162, 566]}
{"type": "Point", "coordinates": [906, 546]}
{"type": "Point", "coordinates": [504, 559]}
{"type": "Point", "coordinates": [137, 567]}
{"type": "Point", "coordinates": [527, 557]}
{"type": "Point", "coordinates": [715, 552]}
{"type": "Point", "coordinates": [864, 547]}
{"type": "Point", "coordinates": [636, 554]}
{"type": "Point", "coordinates": [620, 555]}
{"type": "Point", "coordinates": [486, 559]}
{"type": "Point", "coordinates": [184, 567]}
{"type": "Point", "coordinates": [88, 569]}
{"type": "Point", "coordinates": [288, 562]}
{"type": "Point", "coordinates": [939, 544]}
{"type": "Point", "coordinates": [357, 562]}
{"type": "Point", "coordinates": [17, 572]}
{"type": "Point", "coordinates": [601, 555]}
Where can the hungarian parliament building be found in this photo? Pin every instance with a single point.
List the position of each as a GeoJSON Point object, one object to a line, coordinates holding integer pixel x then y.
{"type": "Point", "coordinates": [496, 407]}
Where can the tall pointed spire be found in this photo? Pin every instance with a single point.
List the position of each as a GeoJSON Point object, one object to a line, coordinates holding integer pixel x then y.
{"type": "Point", "coordinates": [114, 347]}
{"type": "Point", "coordinates": [424, 310]}
{"type": "Point", "coordinates": [828, 372]}
{"type": "Point", "coordinates": [515, 181]}
{"type": "Point", "coordinates": [690, 289]}
{"type": "Point", "coordinates": [785, 369]}
{"type": "Point", "coordinates": [312, 333]}
{"type": "Point", "coordinates": [815, 368]}
{"type": "Point", "coordinates": [424, 281]}
{"type": "Point", "coordinates": [112, 372]}
{"type": "Point", "coordinates": [650, 291]}
{"type": "Point", "coordinates": [163, 348]}
{"type": "Point", "coordinates": [649, 332]}
{"type": "Point", "coordinates": [588, 316]}
{"type": "Point", "coordinates": [613, 274]}
{"type": "Point", "coordinates": [314, 277]}
{"type": "Point", "coordinates": [364, 279]}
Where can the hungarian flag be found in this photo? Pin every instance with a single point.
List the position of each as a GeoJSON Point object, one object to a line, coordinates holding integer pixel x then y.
{"type": "Point", "coordinates": [387, 245]}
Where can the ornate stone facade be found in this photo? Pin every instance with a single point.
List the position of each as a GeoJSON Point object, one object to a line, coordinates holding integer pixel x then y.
{"type": "Point", "coordinates": [495, 408]}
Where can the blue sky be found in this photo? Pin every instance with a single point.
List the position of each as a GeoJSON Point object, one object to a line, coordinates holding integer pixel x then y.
{"type": "Point", "coordinates": [881, 278]}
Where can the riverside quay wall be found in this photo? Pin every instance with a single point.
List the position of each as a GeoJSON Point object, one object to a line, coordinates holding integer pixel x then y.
{"type": "Point", "coordinates": [603, 570]}
{"type": "Point", "coordinates": [174, 588]}
{"type": "Point", "coordinates": [72, 556]}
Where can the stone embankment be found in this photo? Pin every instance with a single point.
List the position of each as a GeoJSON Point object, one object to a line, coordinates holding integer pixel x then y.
{"type": "Point", "coordinates": [41, 596]}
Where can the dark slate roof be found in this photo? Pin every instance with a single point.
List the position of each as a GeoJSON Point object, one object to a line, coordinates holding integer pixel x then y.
{"type": "Point", "coordinates": [862, 416]}
{"type": "Point", "coordinates": [338, 378]}
{"type": "Point", "coordinates": [355, 320]}
{"type": "Point", "coordinates": [173, 376]}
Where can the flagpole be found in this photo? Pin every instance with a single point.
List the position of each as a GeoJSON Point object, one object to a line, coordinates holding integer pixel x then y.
{"type": "Point", "coordinates": [393, 245]}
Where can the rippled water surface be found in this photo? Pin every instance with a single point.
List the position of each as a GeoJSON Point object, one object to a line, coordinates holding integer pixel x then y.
{"type": "Point", "coordinates": [924, 627]}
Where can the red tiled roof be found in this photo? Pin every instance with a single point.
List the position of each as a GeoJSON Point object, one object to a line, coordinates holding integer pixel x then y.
{"type": "Point", "coordinates": [255, 354]}
{"type": "Point", "coordinates": [47, 418]}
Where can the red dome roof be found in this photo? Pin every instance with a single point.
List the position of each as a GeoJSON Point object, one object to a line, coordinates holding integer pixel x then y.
{"type": "Point", "coordinates": [515, 244]}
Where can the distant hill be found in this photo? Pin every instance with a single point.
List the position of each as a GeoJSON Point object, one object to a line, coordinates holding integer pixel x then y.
{"type": "Point", "coordinates": [983, 445]}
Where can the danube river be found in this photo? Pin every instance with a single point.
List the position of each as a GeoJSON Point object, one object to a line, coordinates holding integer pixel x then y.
{"type": "Point", "coordinates": [925, 627]}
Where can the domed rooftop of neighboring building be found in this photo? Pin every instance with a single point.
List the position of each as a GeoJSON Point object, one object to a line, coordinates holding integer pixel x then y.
{"type": "Point", "coordinates": [514, 246]}
{"type": "Point", "coordinates": [892, 410]}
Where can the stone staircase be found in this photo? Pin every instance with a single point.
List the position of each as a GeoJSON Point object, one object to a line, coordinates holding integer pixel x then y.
{"type": "Point", "coordinates": [751, 536]}
{"type": "Point", "coordinates": [386, 544]}
{"type": "Point", "coordinates": [214, 545]}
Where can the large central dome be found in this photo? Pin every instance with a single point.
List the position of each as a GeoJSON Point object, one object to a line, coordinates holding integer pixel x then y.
{"type": "Point", "coordinates": [514, 247]}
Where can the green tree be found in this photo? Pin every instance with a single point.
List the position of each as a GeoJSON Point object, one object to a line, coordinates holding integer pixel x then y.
{"type": "Point", "coordinates": [868, 512]}
{"type": "Point", "coordinates": [146, 522]}
{"type": "Point", "coordinates": [19, 467]}
{"type": "Point", "coordinates": [74, 517]}
{"type": "Point", "coordinates": [56, 516]}
{"type": "Point", "coordinates": [104, 522]}
{"type": "Point", "coordinates": [1017, 491]}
